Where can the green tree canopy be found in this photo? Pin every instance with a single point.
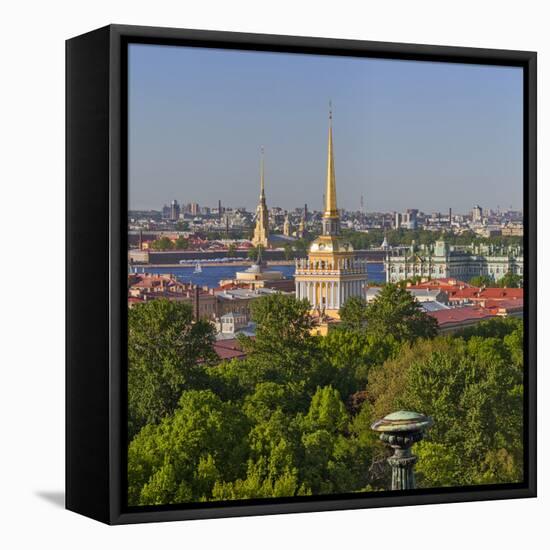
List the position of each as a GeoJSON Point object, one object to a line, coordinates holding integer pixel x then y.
{"type": "Point", "coordinates": [164, 243]}
{"type": "Point", "coordinates": [482, 281]}
{"type": "Point", "coordinates": [180, 460]}
{"type": "Point", "coordinates": [353, 313]}
{"type": "Point", "coordinates": [395, 312]}
{"type": "Point", "coordinates": [510, 280]}
{"type": "Point", "coordinates": [473, 390]}
{"type": "Point", "coordinates": [284, 348]}
{"type": "Point", "coordinates": [181, 243]}
{"type": "Point", "coordinates": [231, 249]}
{"type": "Point", "coordinates": [254, 251]}
{"type": "Point", "coordinates": [289, 251]}
{"type": "Point", "coordinates": [165, 352]}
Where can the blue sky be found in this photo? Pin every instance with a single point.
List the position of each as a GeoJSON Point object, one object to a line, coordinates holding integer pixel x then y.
{"type": "Point", "coordinates": [407, 134]}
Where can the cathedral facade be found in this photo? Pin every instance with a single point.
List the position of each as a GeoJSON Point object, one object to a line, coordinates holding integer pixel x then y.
{"type": "Point", "coordinates": [331, 274]}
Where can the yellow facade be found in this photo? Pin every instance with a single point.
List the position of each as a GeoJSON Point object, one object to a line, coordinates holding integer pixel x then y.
{"type": "Point", "coordinates": [331, 274]}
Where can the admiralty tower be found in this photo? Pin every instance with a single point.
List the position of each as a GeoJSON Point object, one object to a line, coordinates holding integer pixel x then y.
{"type": "Point", "coordinates": [331, 274]}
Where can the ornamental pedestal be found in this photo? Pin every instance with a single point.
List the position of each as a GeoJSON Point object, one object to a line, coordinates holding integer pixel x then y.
{"type": "Point", "coordinates": [401, 430]}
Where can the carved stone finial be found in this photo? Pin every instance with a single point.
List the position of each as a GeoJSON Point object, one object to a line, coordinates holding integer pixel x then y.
{"type": "Point", "coordinates": [401, 430]}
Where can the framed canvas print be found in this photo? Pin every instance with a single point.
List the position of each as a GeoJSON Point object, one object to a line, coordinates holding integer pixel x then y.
{"type": "Point", "coordinates": [301, 274]}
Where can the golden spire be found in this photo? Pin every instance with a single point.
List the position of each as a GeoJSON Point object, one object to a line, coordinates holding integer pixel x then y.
{"type": "Point", "coordinates": [331, 210]}
{"type": "Point", "coordinates": [262, 191]}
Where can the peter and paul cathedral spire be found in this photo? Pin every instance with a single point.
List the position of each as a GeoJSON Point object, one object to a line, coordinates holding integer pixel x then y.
{"type": "Point", "coordinates": [262, 187]}
{"type": "Point", "coordinates": [261, 231]}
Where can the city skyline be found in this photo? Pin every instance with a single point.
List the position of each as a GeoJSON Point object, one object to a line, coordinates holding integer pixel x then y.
{"type": "Point", "coordinates": [213, 205]}
{"type": "Point", "coordinates": [450, 138]}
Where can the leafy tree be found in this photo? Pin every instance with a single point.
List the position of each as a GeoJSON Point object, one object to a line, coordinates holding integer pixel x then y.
{"type": "Point", "coordinates": [510, 280]}
{"type": "Point", "coordinates": [482, 281]}
{"type": "Point", "coordinates": [284, 349]}
{"type": "Point", "coordinates": [353, 353]}
{"type": "Point", "coordinates": [499, 327]}
{"type": "Point", "coordinates": [231, 250]}
{"type": "Point", "coordinates": [288, 251]}
{"type": "Point", "coordinates": [164, 243]}
{"type": "Point", "coordinates": [181, 243]}
{"type": "Point", "coordinates": [181, 459]}
{"type": "Point", "coordinates": [473, 391]}
{"type": "Point", "coordinates": [165, 352]}
{"type": "Point", "coordinates": [254, 251]}
{"type": "Point", "coordinates": [335, 453]}
{"type": "Point", "coordinates": [395, 312]}
{"type": "Point", "coordinates": [301, 246]}
{"type": "Point", "coordinates": [353, 313]}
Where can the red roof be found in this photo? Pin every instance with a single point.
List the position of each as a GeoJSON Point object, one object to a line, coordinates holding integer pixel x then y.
{"type": "Point", "coordinates": [504, 305]}
{"type": "Point", "coordinates": [502, 293]}
{"type": "Point", "coordinates": [445, 283]}
{"type": "Point", "coordinates": [460, 315]}
{"type": "Point", "coordinates": [461, 291]}
{"type": "Point", "coordinates": [229, 349]}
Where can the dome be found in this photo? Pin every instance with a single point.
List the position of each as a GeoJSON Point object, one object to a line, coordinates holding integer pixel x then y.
{"type": "Point", "coordinates": [330, 244]}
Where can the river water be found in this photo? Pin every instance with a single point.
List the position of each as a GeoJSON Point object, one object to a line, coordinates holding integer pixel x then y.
{"type": "Point", "coordinates": [212, 275]}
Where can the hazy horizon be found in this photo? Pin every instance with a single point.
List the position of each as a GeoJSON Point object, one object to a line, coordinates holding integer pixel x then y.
{"type": "Point", "coordinates": [407, 134]}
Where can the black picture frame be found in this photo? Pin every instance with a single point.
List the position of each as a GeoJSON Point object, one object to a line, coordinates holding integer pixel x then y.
{"type": "Point", "coordinates": [96, 260]}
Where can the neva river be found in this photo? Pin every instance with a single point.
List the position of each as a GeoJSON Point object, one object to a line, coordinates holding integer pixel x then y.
{"type": "Point", "coordinates": [212, 275]}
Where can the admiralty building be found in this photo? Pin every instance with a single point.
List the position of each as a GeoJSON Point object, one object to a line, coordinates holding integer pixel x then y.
{"type": "Point", "coordinates": [331, 274]}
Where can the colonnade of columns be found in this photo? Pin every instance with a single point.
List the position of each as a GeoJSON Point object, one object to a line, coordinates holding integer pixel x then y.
{"type": "Point", "coordinates": [328, 294]}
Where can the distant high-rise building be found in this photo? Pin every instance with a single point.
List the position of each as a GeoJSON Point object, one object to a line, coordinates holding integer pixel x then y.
{"type": "Point", "coordinates": [286, 227]}
{"type": "Point", "coordinates": [174, 211]}
{"type": "Point", "coordinates": [220, 212]}
{"type": "Point", "coordinates": [305, 212]}
{"type": "Point", "coordinates": [397, 220]}
{"type": "Point", "coordinates": [194, 209]}
{"type": "Point", "coordinates": [477, 214]}
{"type": "Point", "coordinates": [165, 212]}
{"type": "Point", "coordinates": [411, 218]}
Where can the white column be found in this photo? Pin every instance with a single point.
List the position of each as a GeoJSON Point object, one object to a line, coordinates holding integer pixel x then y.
{"type": "Point", "coordinates": [315, 304]}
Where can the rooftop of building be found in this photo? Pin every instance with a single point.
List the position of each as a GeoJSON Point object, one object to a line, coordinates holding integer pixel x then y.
{"type": "Point", "coordinates": [229, 349]}
{"type": "Point", "coordinates": [456, 315]}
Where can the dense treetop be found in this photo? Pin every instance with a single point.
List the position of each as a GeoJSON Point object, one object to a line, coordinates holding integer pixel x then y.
{"type": "Point", "coordinates": [293, 417]}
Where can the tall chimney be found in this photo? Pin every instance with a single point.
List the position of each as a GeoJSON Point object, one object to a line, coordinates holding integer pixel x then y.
{"type": "Point", "coordinates": [196, 304]}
